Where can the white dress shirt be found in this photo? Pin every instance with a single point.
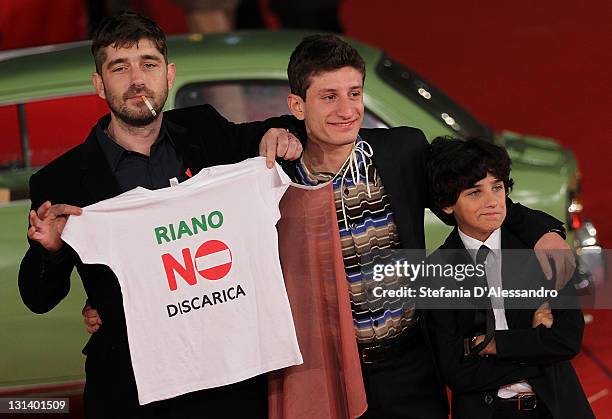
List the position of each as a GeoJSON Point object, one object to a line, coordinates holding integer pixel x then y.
{"type": "Point", "coordinates": [494, 279]}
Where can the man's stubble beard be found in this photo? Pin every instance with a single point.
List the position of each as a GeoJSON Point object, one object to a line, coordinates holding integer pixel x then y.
{"type": "Point", "coordinates": [135, 118]}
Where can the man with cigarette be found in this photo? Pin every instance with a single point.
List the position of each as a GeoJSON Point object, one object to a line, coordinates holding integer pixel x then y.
{"type": "Point", "coordinates": [135, 145]}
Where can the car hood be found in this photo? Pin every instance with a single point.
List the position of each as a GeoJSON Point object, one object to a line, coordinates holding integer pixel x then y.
{"type": "Point", "coordinates": [543, 172]}
{"type": "Point", "coordinates": [528, 150]}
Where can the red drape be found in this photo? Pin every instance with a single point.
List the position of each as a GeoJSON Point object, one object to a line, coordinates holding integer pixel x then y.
{"type": "Point", "coordinates": [328, 384]}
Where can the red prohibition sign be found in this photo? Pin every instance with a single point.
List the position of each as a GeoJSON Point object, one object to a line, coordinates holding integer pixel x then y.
{"type": "Point", "coordinates": [213, 259]}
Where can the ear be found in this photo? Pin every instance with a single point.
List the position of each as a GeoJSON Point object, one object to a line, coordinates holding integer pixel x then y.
{"type": "Point", "coordinates": [296, 106]}
{"type": "Point", "coordinates": [171, 76]}
{"type": "Point", "coordinates": [449, 210]}
{"type": "Point", "coordinates": [98, 84]}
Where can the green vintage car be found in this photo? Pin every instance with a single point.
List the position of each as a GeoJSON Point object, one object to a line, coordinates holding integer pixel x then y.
{"type": "Point", "coordinates": [47, 105]}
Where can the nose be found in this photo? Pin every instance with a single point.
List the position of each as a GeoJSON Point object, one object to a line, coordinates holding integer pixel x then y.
{"type": "Point", "coordinates": [344, 108]}
{"type": "Point", "coordinates": [492, 201]}
{"type": "Point", "coordinates": [137, 77]}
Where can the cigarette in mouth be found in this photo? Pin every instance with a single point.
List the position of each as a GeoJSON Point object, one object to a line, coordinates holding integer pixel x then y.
{"type": "Point", "coordinates": [146, 101]}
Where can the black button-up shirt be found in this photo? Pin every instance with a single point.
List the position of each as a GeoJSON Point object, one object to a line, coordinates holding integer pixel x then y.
{"type": "Point", "coordinates": [132, 169]}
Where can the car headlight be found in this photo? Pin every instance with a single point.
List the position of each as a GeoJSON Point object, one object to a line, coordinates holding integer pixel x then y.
{"type": "Point", "coordinates": [574, 209]}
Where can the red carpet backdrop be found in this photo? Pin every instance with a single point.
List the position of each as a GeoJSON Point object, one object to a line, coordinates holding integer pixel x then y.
{"type": "Point", "coordinates": [533, 67]}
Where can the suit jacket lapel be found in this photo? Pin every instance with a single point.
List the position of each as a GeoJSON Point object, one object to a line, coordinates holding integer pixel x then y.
{"type": "Point", "coordinates": [192, 152]}
{"type": "Point", "coordinates": [455, 254]}
{"type": "Point", "coordinates": [454, 242]}
{"type": "Point", "coordinates": [99, 181]}
{"type": "Point", "coordinates": [513, 276]}
{"type": "Point", "coordinates": [510, 269]}
{"type": "Point", "coordinates": [391, 175]}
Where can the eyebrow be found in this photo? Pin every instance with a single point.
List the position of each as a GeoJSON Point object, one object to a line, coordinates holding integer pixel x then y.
{"type": "Point", "coordinates": [484, 184]}
{"type": "Point", "coordinates": [335, 90]}
{"type": "Point", "coordinates": [124, 60]}
{"type": "Point", "coordinates": [150, 57]}
{"type": "Point", "coordinates": [327, 91]}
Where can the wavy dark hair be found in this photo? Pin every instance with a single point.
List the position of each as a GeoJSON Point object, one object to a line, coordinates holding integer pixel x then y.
{"type": "Point", "coordinates": [456, 165]}
{"type": "Point", "coordinates": [317, 54]}
{"type": "Point", "coordinates": [124, 31]}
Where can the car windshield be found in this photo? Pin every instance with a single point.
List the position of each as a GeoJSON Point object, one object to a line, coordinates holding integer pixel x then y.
{"type": "Point", "coordinates": [247, 100]}
{"type": "Point", "coordinates": [431, 99]}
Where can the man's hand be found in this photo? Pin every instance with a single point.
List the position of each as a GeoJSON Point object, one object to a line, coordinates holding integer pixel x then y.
{"type": "Point", "coordinates": [543, 315]}
{"type": "Point", "coordinates": [551, 245]}
{"type": "Point", "coordinates": [490, 349]}
{"type": "Point", "coordinates": [278, 142]}
{"type": "Point", "coordinates": [91, 319]}
{"type": "Point", "coordinates": [47, 224]}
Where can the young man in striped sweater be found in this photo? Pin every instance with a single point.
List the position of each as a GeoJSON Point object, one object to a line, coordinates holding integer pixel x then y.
{"type": "Point", "coordinates": [380, 185]}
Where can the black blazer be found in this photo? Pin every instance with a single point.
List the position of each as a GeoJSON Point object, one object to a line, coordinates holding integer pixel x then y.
{"type": "Point", "coordinates": [81, 177]}
{"type": "Point", "coordinates": [539, 355]}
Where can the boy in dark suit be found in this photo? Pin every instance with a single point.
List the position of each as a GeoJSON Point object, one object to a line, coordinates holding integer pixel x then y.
{"type": "Point", "coordinates": [498, 362]}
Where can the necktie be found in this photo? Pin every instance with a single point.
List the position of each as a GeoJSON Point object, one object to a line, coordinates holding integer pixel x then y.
{"type": "Point", "coordinates": [481, 259]}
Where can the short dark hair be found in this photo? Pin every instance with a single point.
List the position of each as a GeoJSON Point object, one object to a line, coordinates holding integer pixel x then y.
{"type": "Point", "coordinates": [320, 53]}
{"type": "Point", "coordinates": [456, 165]}
{"type": "Point", "coordinates": [124, 31]}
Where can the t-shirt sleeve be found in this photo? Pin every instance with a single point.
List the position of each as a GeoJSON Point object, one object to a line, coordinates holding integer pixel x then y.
{"type": "Point", "coordinates": [89, 234]}
{"type": "Point", "coordinates": [273, 185]}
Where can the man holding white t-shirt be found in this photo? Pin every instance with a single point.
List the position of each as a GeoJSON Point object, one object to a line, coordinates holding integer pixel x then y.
{"type": "Point", "coordinates": [133, 146]}
{"type": "Point", "coordinates": [203, 271]}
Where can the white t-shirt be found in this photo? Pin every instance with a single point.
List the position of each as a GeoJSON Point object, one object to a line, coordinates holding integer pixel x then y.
{"type": "Point", "coordinates": [198, 264]}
